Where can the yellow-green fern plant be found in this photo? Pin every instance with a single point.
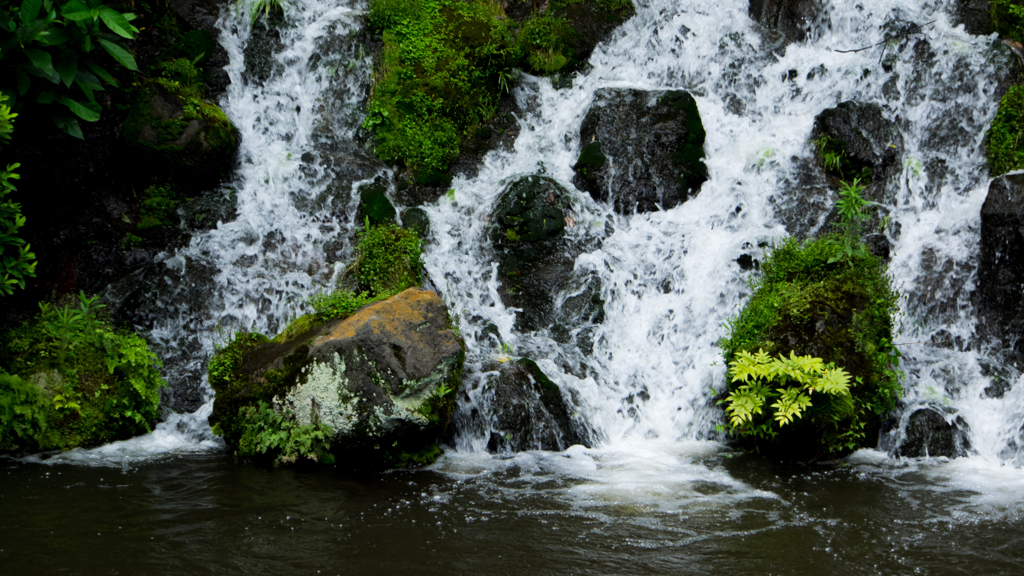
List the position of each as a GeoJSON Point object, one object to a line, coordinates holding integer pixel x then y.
{"type": "Point", "coordinates": [783, 385]}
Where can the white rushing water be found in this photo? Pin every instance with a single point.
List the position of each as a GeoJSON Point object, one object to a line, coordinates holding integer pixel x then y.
{"type": "Point", "coordinates": [645, 389]}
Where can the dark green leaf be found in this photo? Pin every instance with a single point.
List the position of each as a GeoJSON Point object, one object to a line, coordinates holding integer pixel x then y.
{"type": "Point", "coordinates": [29, 10]}
{"type": "Point", "coordinates": [69, 125]}
{"type": "Point", "coordinates": [41, 60]}
{"type": "Point", "coordinates": [66, 65]}
{"type": "Point", "coordinates": [53, 37]}
{"type": "Point", "coordinates": [88, 111]}
{"type": "Point", "coordinates": [123, 57]}
{"type": "Point", "coordinates": [102, 73]}
{"type": "Point", "coordinates": [46, 97]}
{"type": "Point", "coordinates": [116, 22]}
{"type": "Point", "coordinates": [76, 11]}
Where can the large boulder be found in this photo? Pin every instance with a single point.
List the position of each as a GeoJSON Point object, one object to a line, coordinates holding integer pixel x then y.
{"type": "Point", "coordinates": [528, 411]}
{"type": "Point", "coordinates": [528, 233]}
{"type": "Point", "coordinates": [999, 296]}
{"type": "Point", "coordinates": [381, 381]}
{"type": "Point", "coordinates": [929, 433]}
{"type": "Point", "coordinates": [641, 150]}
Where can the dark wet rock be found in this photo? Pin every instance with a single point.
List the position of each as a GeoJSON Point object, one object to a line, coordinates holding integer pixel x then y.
{"type": "Point", "coordinates": [999, 295]}
{"type": "Point", "coordinates": [928, 433]}
{"type": "Point", "coordinates": [259, 53]}
{"type": "Point", "coordinates": [974, 15]}
{"type": "Point", "coordinates": [579, 307]}
{"type": "Point", "coordinates": [527, 231]}
{"type": "Point", "coordinates": [641, 150]}
{"type": "Point", "coordinates": [202, 16]}
{"type": "Point", "coordinates": [384, 379]}
{"type": "Point", "coordinates": [374, 205]}
{"type": "Point", "coordinates": [805, 200]}
{"type": "Point", "coordinates": [416, 219]}
{"type": "Point", "coordinates": [205, 212]}
{"type": "Point", "coordinates": [528, 411]}
{"type": "Point", "coordinates": [498, 133]}
{"type": "Point", "coordinates": [796, 20]}
{"type": "Point", "coordinates": [869, 144]}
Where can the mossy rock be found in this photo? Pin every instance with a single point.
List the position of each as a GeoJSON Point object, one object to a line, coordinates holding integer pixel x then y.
{"type": "Point", "coordinates": [1004, 144]}
{"type": "Point", "coordinates": [375, 206]}
{"type": "Point", "coordinates": [841, 312]}
{"type": "Point", "coordinates": [371, 390]}
{"type": "Point", "coordinates": [416, 219]}
{"type": "Point", "coordinates": [179, 136]}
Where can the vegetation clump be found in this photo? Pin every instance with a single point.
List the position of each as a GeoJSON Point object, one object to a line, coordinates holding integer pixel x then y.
{"type": "Point", "coordinates": [446, 63]}
{"type": "Point", "coordinates": [820, 320]}
{"type": "Point", "coordinates": [70, 379]}
{"type": "Point", "coordinates": [1003, 141]}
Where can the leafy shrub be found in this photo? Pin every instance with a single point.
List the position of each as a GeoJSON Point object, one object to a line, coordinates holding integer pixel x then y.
{"type": "Point", "coordinates": [836, 307]}
{"type": "Point", "coordinates": [1008, 18]}
{"type": "Point", "coordinates": [95, 384]}
{"type": "Point", "coordinates": [56, 42]}
{"type": "Point", "coordinates": [16, 262]}
{"type": "Point", "coordinates": [22, 414]}
{"type": "Point", "coordinates": [1004, 141]}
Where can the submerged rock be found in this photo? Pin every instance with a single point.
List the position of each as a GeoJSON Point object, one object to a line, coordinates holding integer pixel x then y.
{"type": "Point", "coordinates": [528, 229]}
{"type": "Point", "coordinates": [999, 297]}
{"type": "Point", "coordinates": [528, 411]}
{"type": "Point", "coordinates": [641, 150]}
{"type": "Point", "coordinates": [929, 433]}
{"type": "Point", "coordinates": [379, 384]}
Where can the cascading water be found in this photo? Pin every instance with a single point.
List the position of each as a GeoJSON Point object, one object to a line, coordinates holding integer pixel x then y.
{"type": "Point", "coordinates": [669, 279]}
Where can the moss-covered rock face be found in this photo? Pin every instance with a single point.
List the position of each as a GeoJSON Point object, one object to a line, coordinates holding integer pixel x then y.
{"type": "Point", "coordinates": [841, 312]}
{"type": "Point", "coordinates": [1003, 142]}
{"type": "Point", "coordinates": [69, 379]}
{"type": "Point", "coordinates": [374, 389]}
{"type": "Point", "coordinates": [374, 206]}
{"type": "Point", "coordinates": [446, 64]}
{"type": "Point", "coordinates": [657, 137]}
{"type": "Point", "coordinates": [172, 127]}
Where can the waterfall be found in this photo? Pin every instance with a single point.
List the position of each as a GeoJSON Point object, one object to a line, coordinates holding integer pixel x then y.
{"type": "Point", "coordinates": [669, 279]}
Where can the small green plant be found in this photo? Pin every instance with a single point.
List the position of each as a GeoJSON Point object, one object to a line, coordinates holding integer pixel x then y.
{"type": "Point", "coordinates": [832, 156]}
{"type": "Point", "coordinates": [790, 382]}
{"type": "Point", "coordinates": [506, 349]}
{"type": "Point", "coordinates": [261, 8]}
{"type": "Point", "coordinates": [97, 384]}
{"type": "Point", "coordinates": [269, 435]}
{"type": "Point", "coordinates": [851, 205]}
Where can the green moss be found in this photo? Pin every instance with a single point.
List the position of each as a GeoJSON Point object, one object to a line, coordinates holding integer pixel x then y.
{"type": "Point", "coordinates": [69, 379]}
{"type": "Point", "coordinates": [591, 159]}
{"type": "Point", "coordinates": [690, 155]}
{"type": "Point", "coordinates": [158, 206]}
{"type": "Point", "coordinates": [297, 327]}
{"type": "Point", "coordinates": [840, 311]}
{"type": "Point", "coordinates": [547, 40]}
{"type": "Point", "coordinates": [206, 152]}
{"type": "Point", "coordinates": [388, 260]}
{"type": "Point", "coordinates": [1004, 141]}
